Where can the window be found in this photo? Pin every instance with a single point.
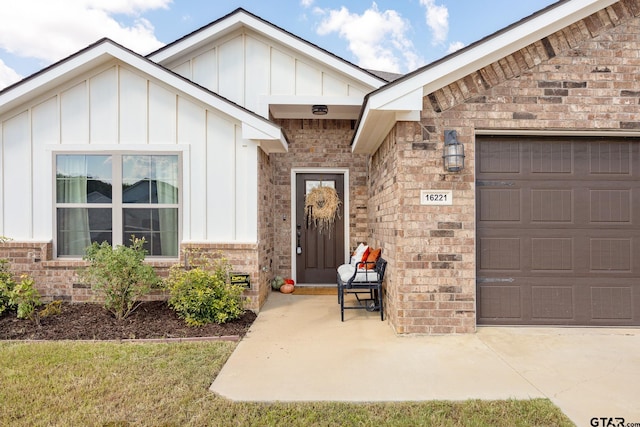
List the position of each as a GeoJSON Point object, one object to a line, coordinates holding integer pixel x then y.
{"type": "Point", "coordinates": [113, 197]}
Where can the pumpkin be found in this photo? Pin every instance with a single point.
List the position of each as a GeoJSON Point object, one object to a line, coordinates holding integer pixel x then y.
{"type": "Point", "coordinates": [277, 282]}
{"type": "Point", "coordinates": [287, 288]}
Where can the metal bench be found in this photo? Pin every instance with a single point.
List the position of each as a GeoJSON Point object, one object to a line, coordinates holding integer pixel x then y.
{"type": "Point", "coordinates": [360, 280]}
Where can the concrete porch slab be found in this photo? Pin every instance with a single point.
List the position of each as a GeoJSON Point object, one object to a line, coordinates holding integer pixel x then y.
{"type": "Point", "coordinates": [298, 350]}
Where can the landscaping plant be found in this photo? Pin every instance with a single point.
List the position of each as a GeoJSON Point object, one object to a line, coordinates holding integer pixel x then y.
{"type": "Point", "coordinates": [203, 294]}
{"type": "Point", "coordinates": [6, 286]}
{"type": "Point", "coordinates": [120, 274]}
{"type": "Point", "coordinates": [26, 298]}
{"type": "Point", "coordinates": [21, 296]}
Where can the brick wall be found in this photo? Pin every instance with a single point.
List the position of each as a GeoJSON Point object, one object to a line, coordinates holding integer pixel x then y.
{"type": "Point", "coordinates": [58, 280]}
{"type": "Point", "coordinates": [583, 77]}
{"type": "Point", "coordinates": [383, 210]}
{"type": "Point", "coordinates": [316, 144]}
{"type": "Point", "coordinates": [266, 228]}
{"type": "Point", "coordinates": [244, 258]}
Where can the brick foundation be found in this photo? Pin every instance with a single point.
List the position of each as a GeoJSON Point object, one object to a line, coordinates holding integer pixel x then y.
{"type": "Point", "coordinates": [58, 280]}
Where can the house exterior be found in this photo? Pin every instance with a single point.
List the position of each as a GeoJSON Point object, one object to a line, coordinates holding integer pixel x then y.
{"type": "Point", "coordinates": [211, 142]}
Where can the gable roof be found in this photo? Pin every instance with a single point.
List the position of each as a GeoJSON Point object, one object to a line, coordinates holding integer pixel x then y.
{"type": "Point", "coordinates": [241, 18]}
{"type": "Point", "coordinates": [401, 100]}
{"type": "Point", "coordinates": [253, 126]}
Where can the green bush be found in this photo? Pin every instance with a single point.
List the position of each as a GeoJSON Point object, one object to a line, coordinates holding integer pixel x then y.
{"type": "Point", "coordinates": [26, 298]}
{"type": "Point", "coordinates": [119, 274]}
{"type": "Point", "coordinates": [21, 296]}
{"type": "Point", "coordinates": [6, 286]}
{"type": "Point", "coordinates": [203, 294]}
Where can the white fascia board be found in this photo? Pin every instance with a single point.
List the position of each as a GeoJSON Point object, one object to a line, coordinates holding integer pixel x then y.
{"type": "Point", "coordinates": [311, 100]}
{"type": "Point", "coordinates": [376, 121]}
{"type": "Point", "coordinates": [369, 137]}
{"type": "Point", "coordinates": [411, 101]}
{"type": "Point", "coordinates": [242, 18]}
{"type": "Point", "coordinates": [38, 84]}
{"type": "Point", "coordinates": [194, 40]}
{"type": "Point", "coordinates": [264, 133]}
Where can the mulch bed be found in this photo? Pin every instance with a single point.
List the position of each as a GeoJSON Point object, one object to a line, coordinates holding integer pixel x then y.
{"type": "Point", "coordinates": [86, 321]}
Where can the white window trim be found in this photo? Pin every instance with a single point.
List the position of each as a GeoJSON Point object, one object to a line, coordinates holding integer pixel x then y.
{"type": "Point", "coordinates": [116, 204]}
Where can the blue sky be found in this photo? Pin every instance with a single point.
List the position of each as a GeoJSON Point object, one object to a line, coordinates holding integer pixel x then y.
{"type": "Point", "coordinates": [388, 35]}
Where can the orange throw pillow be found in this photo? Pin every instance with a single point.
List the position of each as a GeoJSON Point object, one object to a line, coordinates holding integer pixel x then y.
{"type": "Point", "coordinates": [372, 257]}
{"type": "Point", "coordinates": [365, 255]}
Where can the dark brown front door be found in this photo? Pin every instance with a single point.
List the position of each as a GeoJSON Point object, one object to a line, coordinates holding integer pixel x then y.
{"type": "Point", "coordinates": [558, 226]}
{"type": "Point", "coordinates": [318, 255]}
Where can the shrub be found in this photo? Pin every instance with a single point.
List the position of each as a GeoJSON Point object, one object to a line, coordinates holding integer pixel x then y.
{"type": "Point", "coordinates": [119, 274]}
{"type": "Point", "coordinates": [26, 298]}
{"type": "Point", "coordinates": [51, 309]}
{"type": "Point", "coordinates": [6, 286]}
{"type": "Point", "coordinates": [21, 296]}
{"type": "Point", "coordinates": [203, 294]}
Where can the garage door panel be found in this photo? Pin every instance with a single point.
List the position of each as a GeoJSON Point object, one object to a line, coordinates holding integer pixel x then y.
{"type": "Point", "coordinates": [503, 158]}
{"type": "Point", "coordinates": [549, 252]}
{"type": "Point", "coordinates": [551, 302]}
{"type": "Point", "coordinates": [610, 255]}
{"type": "Point", "coordinates": [500, 253]}
{"type": "Point", "coordinates": [551, 157]}
{"type": "Point", "coordinates": [609, 205]}
{"type": "Point", "coordinates": [558, 301]}
{"type": "Point", "coordinates": [499, 204]}
{"type": "Point", "coordinates": [612, 303]}
{"type": "Point", "coordinates": [500, 302]}
{"type": "Point", "coordinates": [552, 254]}
{"type": "Point", "coordinates": [551, 205]}
{"type": "Point", "coordinates": [610, 158]}
{"type": "Point", "coordinates": [598, 205]}
{"type": "Point", "coordinates": [560, 232]}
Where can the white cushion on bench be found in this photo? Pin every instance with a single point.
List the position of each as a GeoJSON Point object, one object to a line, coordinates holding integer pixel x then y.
{"type": "Point", "coordinates": [345, 271]}
{"type": "Point", "coordinates": [358, 254]}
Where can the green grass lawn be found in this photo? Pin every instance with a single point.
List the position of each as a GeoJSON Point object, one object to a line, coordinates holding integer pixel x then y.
{"type": "Point", "coordinates": [111, 384]}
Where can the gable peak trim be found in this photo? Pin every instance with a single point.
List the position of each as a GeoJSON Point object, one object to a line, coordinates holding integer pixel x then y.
{"type": "Point", "coordinates": [242, 18]}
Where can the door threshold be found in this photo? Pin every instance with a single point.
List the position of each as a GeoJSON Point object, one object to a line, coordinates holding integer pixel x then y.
{"type": "Point", "coordinates": [316, 289]}
{"type": "Point", "coordinates": [317, 285]}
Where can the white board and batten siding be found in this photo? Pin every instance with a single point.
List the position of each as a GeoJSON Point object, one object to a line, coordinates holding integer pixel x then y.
{"type": "Point", "coordinates": [117, 109]}
{"type": "Point", "coordinates": [246, 67]}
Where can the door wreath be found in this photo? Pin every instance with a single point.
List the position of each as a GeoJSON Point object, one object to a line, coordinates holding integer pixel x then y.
{"type": "Point", "coordinates": [321, 207]}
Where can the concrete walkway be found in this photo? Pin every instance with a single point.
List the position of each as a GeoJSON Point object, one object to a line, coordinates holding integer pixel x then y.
{"type": "Point", "coordinates": [298, 350]}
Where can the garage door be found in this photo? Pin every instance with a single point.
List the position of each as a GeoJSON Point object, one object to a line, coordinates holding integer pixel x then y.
{"type": "Point", "coordinates": [558, 227]}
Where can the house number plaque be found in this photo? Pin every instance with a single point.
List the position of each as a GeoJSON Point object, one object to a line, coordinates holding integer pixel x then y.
{"type": "Point", "coordinates": [436, 197]}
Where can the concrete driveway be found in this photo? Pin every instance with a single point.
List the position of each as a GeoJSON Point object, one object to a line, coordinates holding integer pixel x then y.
{"type": "Point", "coordinates": [298, 350]}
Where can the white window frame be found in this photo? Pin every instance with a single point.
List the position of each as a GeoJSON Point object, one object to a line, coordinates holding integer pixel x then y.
{"type": "Point", "coordinates": [117, 206]}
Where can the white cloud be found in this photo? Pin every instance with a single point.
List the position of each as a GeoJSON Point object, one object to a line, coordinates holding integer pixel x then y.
{"type": "Point", "coordinates": [7, 75]}
{"type": "Point", "coordinates": [50, 30]}
{"type": "Point", "coordinates": [377, 39]}
{"type": "Point", "coordinates": [437, 20]}
{"type": "Point", "coordinates": [306, 3]}
{"type": "Point", "coordinates": [455, 46]}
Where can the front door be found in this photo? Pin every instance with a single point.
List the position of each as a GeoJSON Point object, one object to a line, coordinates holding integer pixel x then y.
{"type": "Point", "coordinates": [318, 252]}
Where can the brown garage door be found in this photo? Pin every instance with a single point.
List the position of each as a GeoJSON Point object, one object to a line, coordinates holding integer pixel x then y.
{"type": "Point", "coordinates": [558, 226]}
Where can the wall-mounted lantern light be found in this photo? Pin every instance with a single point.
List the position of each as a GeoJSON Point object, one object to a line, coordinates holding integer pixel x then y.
{"type": "Point", "coordinates": [319, 110]}
{"type": "Point", "coordinates": [453, 152]}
